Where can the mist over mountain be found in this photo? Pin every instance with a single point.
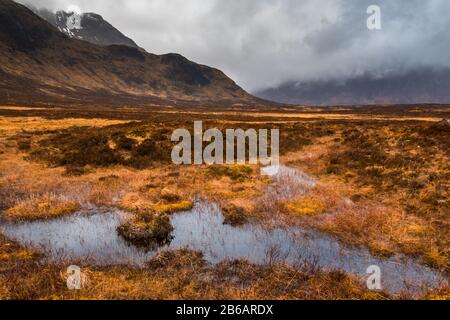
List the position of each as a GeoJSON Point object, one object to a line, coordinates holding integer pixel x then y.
{"type": "Point", "coordinates": [89, 27]}
{"type": "Point", "coordinates": [273, 47]}
{"type": "Point", "coordinates": [423, 85]}
{"type": "Point", "coordinates": [38, 62]}
{"type": "Point", "coordinates": [266, 43]}
{"type": "Point", "coordinates": [299, 53]}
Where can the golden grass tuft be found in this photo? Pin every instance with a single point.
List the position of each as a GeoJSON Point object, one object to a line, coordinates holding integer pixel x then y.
{"type": "Point", "coordinates": [47, 206]}
{"type": "Point", "coordinates": [147, 230]}
{"type": "Point", "coordinates": [172, 208]}
{"type": "Point", "coordinates": [24, 254]}
{"type": "Point", "coordinates": [381, 249]}
{"type": "Point", "coordinates": [306, 206]}
{"type": "Point", "coordinates": [169, 196]}
{"type": "Point", "coordinates": [133, 201]}
{"type": "Point", "coordinates": [137, 202]}
{"type": "Point", "coordinates": [435, 258]}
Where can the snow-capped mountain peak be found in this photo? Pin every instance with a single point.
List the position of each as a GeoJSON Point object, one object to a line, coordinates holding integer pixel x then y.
{"type": "Point", "coordinates": [86, 26]}
{"type": "Point", "coordinates": [69, 23]}
{"type": "Point", "coordinates": [73, 21]}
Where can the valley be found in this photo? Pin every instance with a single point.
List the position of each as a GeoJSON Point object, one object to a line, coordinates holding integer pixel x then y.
{"type": "Point", "coordinates": [130, 175]}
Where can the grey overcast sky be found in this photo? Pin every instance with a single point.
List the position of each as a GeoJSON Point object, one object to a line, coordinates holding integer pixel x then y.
{"type": "Point", "coordinates": [262, 43]}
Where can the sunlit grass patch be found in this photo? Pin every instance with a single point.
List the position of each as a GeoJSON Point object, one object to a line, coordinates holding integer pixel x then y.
{"type": "Point", "coordinates": [381, 249]}
{"type": "Point", "coordinates": [170, 196]}
{"type": "Point", "coordinates": [436, 258]}
{"type": "Point", "coordinates": [133, 201]}
{"type": "Point", "coordinates": [16, 124]}
{"type": "Point", "coordinates": [24, 254]}
{"type": "Point", "coordinates": [47, 206]}
{"type": "Point", "coordinates": [306, 206]}
{"type": "Point", "coordinates": [155, 201]}
{"type": "Point", "coordinates": [172, 208]}
{"type": "Point", "coordinates": [417, 230]}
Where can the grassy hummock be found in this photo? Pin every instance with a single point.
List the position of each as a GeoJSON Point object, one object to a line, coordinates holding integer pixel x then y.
{"type": "Point", "coordinates": [147, 231]}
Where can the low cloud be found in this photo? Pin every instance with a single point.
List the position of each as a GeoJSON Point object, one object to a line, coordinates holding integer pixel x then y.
{"type": "Point", "coordinates": [262, 43]}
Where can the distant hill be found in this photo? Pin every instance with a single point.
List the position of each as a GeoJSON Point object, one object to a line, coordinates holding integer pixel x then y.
{"type": "Point", "coordinates": [423, 85]}
{"type": "Point", "coordinates": [39, 62]}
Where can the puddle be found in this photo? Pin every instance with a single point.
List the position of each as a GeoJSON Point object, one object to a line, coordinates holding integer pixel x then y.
{"type": "Point", "coordinates": [92, 237]}
{"type": "Point", "coordinates": [86, 236]}
{"type": "Point", "coordinates": [202, 229]}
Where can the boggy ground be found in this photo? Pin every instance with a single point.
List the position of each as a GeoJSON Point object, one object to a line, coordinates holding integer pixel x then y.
{"type": "Point", "coordinates": [179, 274]}
{"type": "Point", "coordinates": [381, 184]}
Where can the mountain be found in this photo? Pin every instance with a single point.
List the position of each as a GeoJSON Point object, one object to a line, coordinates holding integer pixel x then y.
{"type": "Point", "coordinates": [422, 85]}
{"type": "Point", "coordinates": [89, 27]}
{"type": "Point", "coordinates": [37, 62]}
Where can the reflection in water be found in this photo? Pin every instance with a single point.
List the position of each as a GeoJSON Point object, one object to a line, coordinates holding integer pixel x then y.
{"type": "Point", "coordinates": [203, 229]}
{"type": "Point", "coordinates": [84, 236]}
{"type": "Point", "coordinates": [92, 237]}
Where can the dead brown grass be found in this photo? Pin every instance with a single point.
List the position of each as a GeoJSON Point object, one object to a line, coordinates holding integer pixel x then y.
{"type": "Point", "coordinates": [46, 206]}
{"type": "Point", "coordinates": [11, 125]}
{"type": "Point", "coordinates": [385, 188]}
{"type": "Point", "coordinates": [181, 274]}
{"type": "Point", "coordinates": [392, 206]}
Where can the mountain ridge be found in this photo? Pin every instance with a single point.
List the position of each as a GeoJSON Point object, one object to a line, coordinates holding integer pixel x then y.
{"type": "Point", "coordinates": [88, 26]}
{"type": "Point", "coordinates": [420, 85]}
{"type": "Point", "coordinates": [54, 66]}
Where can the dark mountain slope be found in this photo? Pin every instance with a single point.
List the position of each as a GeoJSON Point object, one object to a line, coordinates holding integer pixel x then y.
{"type": "Point", "coordinates": [47, 63]}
